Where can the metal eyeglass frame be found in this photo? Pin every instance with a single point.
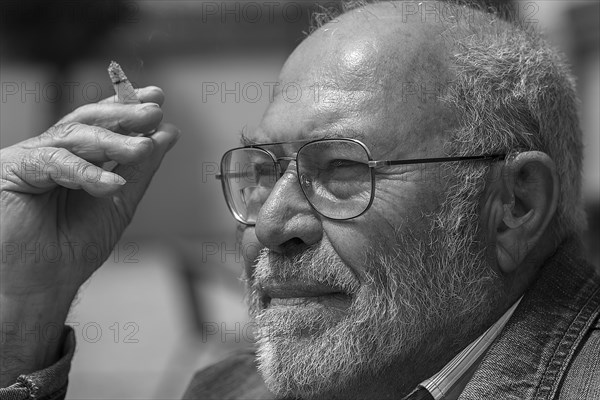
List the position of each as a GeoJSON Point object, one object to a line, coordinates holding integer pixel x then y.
{"type": "Point", "coordinates": [372, 164]}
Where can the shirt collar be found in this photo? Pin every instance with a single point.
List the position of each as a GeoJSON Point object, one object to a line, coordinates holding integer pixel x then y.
{"type": "Point", "coordinates": [440, 384]}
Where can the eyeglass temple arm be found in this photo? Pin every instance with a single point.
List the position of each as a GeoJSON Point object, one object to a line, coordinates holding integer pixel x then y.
{"type": "Point", "coordinates": [384, 163]}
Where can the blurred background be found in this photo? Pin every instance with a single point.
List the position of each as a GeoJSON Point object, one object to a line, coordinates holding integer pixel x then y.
{"type": "Point", "coordinates": [168, 300]}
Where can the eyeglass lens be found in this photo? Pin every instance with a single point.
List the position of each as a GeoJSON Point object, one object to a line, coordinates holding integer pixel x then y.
{"type": "Point", "coordinates": [334, 176]}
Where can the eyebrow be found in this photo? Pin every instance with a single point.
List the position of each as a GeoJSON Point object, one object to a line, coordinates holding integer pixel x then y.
{"type": "Point", "coordinates": [246, 140]}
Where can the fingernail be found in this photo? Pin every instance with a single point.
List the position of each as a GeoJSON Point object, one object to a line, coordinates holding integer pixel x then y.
{"type": "Point", "coordinates": [111, 178]}
{"type": "Point", "coordinates": [148, 106]}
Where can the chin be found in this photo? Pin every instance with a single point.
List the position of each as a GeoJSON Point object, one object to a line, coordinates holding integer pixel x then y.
{"type": "Point", "coordinates": [291, 368]}
{"type": "Point", "coordinates": [319, 352]}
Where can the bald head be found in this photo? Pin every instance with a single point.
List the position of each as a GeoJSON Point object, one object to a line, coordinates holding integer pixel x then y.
{"type": "Point", "coordinates": [375, 60]}
{"type": "Point", "coordinates": [372, 45]}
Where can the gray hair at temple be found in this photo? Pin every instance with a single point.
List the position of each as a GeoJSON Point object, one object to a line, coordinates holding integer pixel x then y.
{"type": "Point", "coordinates": [513, 92]}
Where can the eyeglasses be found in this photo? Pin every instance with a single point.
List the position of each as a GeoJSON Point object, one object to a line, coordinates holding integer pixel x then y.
{"type": "Point", "coordinates": [337, 176]}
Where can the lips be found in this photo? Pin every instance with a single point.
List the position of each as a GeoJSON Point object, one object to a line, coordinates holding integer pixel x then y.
{"type": "Point", "coordinates": [303, 294]}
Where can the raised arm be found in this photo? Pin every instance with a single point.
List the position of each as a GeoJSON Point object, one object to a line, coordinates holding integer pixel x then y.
{"type": "Point", "coordinates": [61, 215]}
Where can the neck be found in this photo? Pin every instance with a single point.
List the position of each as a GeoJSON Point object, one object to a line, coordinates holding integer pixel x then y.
{"type": "Point", "coordinates": [402, 377]}
{"type": "Point", "coordinates": [528, 271]}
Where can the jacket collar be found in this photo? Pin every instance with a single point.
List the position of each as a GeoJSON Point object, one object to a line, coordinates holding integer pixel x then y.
{"type": "Point", "coordinates": [528, 358]}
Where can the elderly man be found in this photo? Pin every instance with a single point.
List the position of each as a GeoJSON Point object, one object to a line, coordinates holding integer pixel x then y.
{"type": "Point", "coordinates": [419, 209]}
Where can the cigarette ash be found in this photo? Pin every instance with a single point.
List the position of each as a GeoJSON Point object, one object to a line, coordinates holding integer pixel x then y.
{"type": "Point", "coordinates": [116, 73]}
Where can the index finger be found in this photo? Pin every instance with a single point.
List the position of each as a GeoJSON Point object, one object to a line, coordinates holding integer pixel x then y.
{"type": "Point", "coordinates": [149, 94]}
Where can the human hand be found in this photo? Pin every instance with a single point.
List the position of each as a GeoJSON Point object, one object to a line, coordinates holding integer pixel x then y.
{"type": "Point", "coordinates": [61, 212]}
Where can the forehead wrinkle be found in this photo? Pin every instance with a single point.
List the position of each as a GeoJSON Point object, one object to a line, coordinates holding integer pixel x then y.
{"type": "Point", "coordinates": [318, 133]}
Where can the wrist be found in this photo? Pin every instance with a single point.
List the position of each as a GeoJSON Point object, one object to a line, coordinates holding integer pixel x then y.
{"type": "Point", "coordinates": [41, 308]}
{"type": "Point", "coordinates": [31, 331]}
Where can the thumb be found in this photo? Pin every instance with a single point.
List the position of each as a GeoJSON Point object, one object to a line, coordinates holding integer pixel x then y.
{"type": "Point", "coordinates": [139, 175]}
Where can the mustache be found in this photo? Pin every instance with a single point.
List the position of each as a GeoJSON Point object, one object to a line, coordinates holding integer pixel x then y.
{"type": "Point", "coordinates": [315, 265]}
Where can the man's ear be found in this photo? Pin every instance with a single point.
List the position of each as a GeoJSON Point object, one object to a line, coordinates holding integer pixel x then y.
{"type": "Point", "coordinates": [520, 206]}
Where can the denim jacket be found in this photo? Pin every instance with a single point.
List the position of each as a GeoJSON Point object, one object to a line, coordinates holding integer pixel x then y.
{"type": "Point", "coordinates": [549, 349]}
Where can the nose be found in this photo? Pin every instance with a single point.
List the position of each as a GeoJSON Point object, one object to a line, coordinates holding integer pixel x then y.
{"type": "Point", "coordinates": [286, 218]}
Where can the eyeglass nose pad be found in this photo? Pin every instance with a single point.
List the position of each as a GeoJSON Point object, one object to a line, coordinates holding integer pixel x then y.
{"type": "Point", "coordinates": [284, 163]}
{"type": "Point", "coordinates": [306, 183]}
{"type": "Point", "coordinates": [283, 166]}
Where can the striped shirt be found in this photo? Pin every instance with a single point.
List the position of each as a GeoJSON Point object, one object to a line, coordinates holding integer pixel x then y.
{"type": "Point", "coordinates": [442, 383]}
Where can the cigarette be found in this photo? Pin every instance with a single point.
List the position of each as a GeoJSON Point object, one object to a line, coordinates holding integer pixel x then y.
{"type": "Point", "coordinates": [125, 94]}
{"type": "Point", "coordinates": [123, 88]}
